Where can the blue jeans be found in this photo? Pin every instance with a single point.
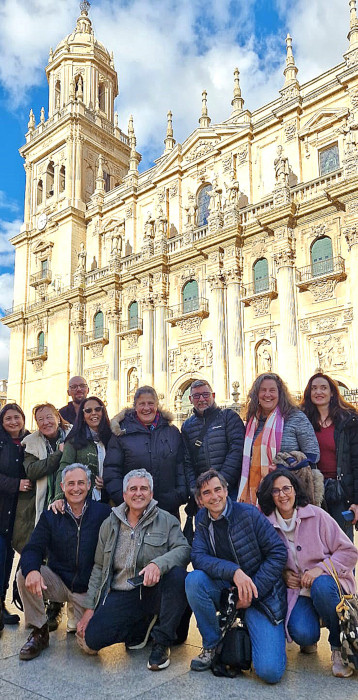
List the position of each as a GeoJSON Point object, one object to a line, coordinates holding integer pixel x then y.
{"type": "Point", "coordinates": [304, 623]}
{"type": "Point", "coordinates": [6, 559]}
{"type": "Point", "coordinates": [267, 639]}
{"type": "Point", "coordinates": [122, 613]}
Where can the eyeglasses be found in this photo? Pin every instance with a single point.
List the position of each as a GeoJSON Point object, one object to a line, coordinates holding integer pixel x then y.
{"type": "Point", "coordinates": [97, 409]}
{"type": "Point", "coordinates": [286, 490]}
{"type": "Point", "coordinates": [78, 386]}
{"type": "Point", "coordinates": [204, 394]}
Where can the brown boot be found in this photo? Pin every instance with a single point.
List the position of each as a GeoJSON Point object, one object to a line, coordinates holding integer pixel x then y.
{"type": "Point", "coordinates": [37, 641]}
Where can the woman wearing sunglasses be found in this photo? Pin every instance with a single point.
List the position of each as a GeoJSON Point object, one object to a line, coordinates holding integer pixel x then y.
{"type": "Point", "coordinates": [87, 443]}
{"type": "Point", "coordinates": [313, 540]}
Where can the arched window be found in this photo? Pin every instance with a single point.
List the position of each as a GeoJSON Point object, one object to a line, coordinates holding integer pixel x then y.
{"type": "Point", "coordinates": [261, 276]}
{"type": "Point", "coordinates": [58, 95]}
{"type": "Point", "coordinates": [62, 179]}
{"type": "Point", "coordinates": [41, 343]}
{"type": "Point", "coordinates": [107, 181]}
{"type": "Point", "coordinates": [102, 97]}
{"type": "Point", "coordinates": [322, 256]}
{"type": "Point", "coordinates": [203, 205]}
{"type": "Point", "coordinates": [50, 178]}
{"type": "Point", "coordinates": [133, 314]}
{"type": "Point", "coordinates": [40, 189]}
{"type": "Point", "coordinates": [98, 325]}
{"type": "Point", "coordinates": [190, 296]}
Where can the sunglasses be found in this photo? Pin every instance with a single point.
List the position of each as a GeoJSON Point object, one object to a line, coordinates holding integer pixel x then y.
{"type": "Point", "coordinates": [98, 409]}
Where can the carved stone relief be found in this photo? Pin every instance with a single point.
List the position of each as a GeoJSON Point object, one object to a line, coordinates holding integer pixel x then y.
{"type": "Point", "coordinates": [323, 290]}
{"type": "Point", "coordinates": [201, 149]}
{"type": "Point", "coordinates": [263, 357]}
{"type": "Point", "coordinates": [96, 378]}
{"type": "Point", "coordinates": [290, 131]}
{"type": "Point", "coordinates": [190, 325]}
{"type": "Point", "coordinates": [261, 306]}
{"type": "Point", "coordinates": [242, 155]}
{"type": "Point", "coordinates": [330, 351]}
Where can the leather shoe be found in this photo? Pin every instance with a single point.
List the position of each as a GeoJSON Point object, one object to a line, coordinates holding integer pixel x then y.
{"type": "Point", "coordinates": [37, 641]}
{"type": "Point", "coordinates": [9, 618]}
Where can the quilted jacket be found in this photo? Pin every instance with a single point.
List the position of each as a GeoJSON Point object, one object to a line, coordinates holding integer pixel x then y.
{"type": "Point", "coordinates": [257, 550]}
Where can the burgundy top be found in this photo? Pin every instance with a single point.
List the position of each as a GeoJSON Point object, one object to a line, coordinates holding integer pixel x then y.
{"type": "Point", "coordinates": [327, 447]}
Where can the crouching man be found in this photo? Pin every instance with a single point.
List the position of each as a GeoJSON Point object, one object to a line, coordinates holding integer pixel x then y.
{"type": "Point", "coordinates": [138, 539]}
{"type": "Point", "coordinates": [233, 546]}
{"type": "Point", "coordinates": [68, 540]}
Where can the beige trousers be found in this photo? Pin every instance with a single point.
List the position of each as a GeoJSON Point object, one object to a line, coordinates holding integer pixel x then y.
{"type": "Point", "coordinates": [34, 606]}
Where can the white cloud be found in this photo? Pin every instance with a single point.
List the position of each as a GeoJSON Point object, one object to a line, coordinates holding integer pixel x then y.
{"type": "Point", "coordinates": [8, 229]}
{"type": "Point", "coordinates": [4, 351]}
{"type": "Point", "coordinates": [7, 203]}
{"type": "Point", "coordinates": [6, 290]}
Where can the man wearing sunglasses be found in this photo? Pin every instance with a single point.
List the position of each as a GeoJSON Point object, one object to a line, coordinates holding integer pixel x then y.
{"type": "Point", "coordinates": [213, 438]}
{"type": "Point", "coordinates": [78, 390]}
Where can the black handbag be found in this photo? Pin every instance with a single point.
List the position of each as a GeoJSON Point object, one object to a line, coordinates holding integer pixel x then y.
{"type": "Point", "coordinates": [333, 492]}
{"type": "Point", "coordinates": [233, 653]}
{"type": "Point", "coordinates": [236, 650]}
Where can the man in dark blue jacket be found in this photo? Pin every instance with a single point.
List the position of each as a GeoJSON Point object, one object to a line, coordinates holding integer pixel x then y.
{"type": "Point", "coordinates": [213, 438]}
{"type": "Point", "coordinates": [234, 545]}
{"type": "Point", "coordinates": [68, 540]}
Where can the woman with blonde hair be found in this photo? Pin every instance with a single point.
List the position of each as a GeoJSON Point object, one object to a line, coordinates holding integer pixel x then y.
{"type": "Point", "coordinates": [276, 430]}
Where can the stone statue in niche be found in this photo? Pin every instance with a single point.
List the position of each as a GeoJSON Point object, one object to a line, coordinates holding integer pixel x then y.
{"type": "Point", "coordinates": [82, 255]}
{"type": "Point", "coordinates": [233, 190]}
{"type": "Point", "coordinates": [263, 357]}
{"type": "Point", "coordinates": [149, 227]}
{"type": "Point", "coordinates": [282, 170]}
{"type": "Point", "coordinates": [215, 196]}
{"type": "Point", "coordinates": [116, 243]}
{"type": "Point", "coordinates": [190, 209]}
{"type": "Point", "coordinates": [94, 264]}
{"type": "Point", "coordinates": [133, 382]}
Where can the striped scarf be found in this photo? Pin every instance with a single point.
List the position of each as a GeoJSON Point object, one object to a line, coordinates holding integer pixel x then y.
{"type": "Point", "coordinates": [258, 456]}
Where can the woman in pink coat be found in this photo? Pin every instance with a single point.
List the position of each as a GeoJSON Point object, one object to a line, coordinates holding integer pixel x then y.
{"type": "Point", "coordinates": [313, 539]}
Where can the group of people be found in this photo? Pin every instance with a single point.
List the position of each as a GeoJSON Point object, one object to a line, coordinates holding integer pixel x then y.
{"type": "Point", "coordinates": [92, 506]}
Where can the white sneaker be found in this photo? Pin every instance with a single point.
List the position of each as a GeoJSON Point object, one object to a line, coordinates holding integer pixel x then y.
{"type": "Point", "coordinates": [71, 620]}
{"type": "Point", "coordinates": [338, 667]}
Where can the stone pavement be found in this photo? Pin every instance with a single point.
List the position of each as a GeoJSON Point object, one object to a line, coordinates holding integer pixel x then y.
{"type": "Point", "coordinates": [63, 672]}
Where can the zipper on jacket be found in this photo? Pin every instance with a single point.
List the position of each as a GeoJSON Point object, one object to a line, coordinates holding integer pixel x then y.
{"type": "Point", "coordinates": [78, 526]}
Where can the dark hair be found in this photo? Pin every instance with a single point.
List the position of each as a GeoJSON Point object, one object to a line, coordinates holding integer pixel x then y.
{"type": "Point", "coordinates": [264, 492]}
{"type": "Point", "coordinates": [204, 478]}
{"type": "Point", "coordinates": [11, 407]}
{"type": "Point", "coordinates": [78, 435]}
{"type": "Point", "coordinates": [61, 421]}
{"type": "Point", "coordinates": [200, 382]}
{"type": "Point", "coordinates": [338, 407]}
{"type": "Point", "coordinates": [145, 390]}
{"type": "Point", "coordinates": [286, 403]}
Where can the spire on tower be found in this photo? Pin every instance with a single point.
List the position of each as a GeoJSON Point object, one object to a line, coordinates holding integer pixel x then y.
{"type": "Point", "coordinates": [237, 102]}
{"type": "Point", "coordinates": [353, 25]}
{"type": "Point", "coordinates": [169, 140]}
{"type": "Point", "coordinates": [133, 159]}
{"type": "Point", "coordinates": [204, 120]}
{"type": "Point", "coordinates": [291, 69]}
{"type": "Point", "coordinates": [31, 125]}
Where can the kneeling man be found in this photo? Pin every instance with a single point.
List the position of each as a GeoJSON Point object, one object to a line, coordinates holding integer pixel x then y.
{"type": "Point", "coordinates": [233, 546]}
{"type": "Point", "coordinates": [68, 540]}
{"type": "Point", "coordinates": [138, 539]}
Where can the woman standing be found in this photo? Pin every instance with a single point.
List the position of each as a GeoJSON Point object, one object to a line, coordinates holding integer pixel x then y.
{"type": "Point", "coordinates": [87, 443]}
{"type": "Point", "coordinates": [145, 437]}
{"type": "Point", "coordinates": [313, 540]}
{"type": "Point", "coordinates": [274, 424]}
{"type": "Point", "coordinates": [335, 423]}
{"type": "Point", "coordinates": [43, 452]}
{"type": "Point", "coordinates": [15, 489]}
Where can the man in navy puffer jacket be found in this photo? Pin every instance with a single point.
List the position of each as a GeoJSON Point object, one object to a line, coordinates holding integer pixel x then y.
{"type": "Point", "coordinates": [233, 546]}
{"type": "Point", "coordinates": [222, 443]}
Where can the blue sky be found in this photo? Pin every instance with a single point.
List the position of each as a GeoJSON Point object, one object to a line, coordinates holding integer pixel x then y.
{"type": "Point", "coordinates": [166, 52]}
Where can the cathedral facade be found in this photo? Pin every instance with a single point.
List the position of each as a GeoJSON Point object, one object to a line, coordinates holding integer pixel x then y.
{"type": "Point", "coordinates": [236, 253]}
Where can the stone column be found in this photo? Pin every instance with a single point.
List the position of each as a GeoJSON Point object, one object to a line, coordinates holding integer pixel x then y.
{"type": "Point", "coordinates": [351, 236]}
{"type": "Point", "coordinates": [113, 363]}
{"type": "Point", "coordinates": [69, 168]}
{"type": "Point", "coordinates": [76, 339]}
{"type": "Point", "coordinates": [218, 324]}
{"type": "Point", "coordinates": [148, 342]}
{"type": "Point", "coordinates": [27, 204]}
{"type": "Point", "coordinates": [160, 334]}
{"type": "Point", "coordinates": [288, 364]}
{"type": "Point", "coordinates": [78, 180]}
{"type": "Point", "coordinates": [234, 329]}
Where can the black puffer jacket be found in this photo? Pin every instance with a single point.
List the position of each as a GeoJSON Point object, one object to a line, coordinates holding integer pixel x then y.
{"type": "Point", "coordinates": [11, 472]}
{"type": "Point", "coordinates": [346, 440]}
{"type": "Point", "coordinates": [159, 451]}
{"type": "Point", "coordinates": [222, 446]}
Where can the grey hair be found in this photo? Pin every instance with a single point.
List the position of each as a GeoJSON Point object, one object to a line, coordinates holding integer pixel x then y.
{"type": "Point", "coordinates": [72, 467]}
{"type": "Point", "coordinates": [137, 474]}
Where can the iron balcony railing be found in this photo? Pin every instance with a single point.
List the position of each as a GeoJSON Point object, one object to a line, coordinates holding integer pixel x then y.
{"type": "Point", "coordinates": [97, 334]}
{"type": "Point", "coordinates": [265, 284]}
{"type": "Point", "coordinates": [321, 268]}
{"type": "Point", "coordinates": [32, 353]}
{"type": "Point", "coordinates": [189, 306]}
{"type": "Point", "coordinates": [133, 324]}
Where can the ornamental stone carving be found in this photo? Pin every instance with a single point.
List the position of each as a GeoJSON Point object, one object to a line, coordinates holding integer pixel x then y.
{"type": "Point", "coordinates": [226, 163]}
{"type": "Point", "coordinates": [242, 155]}
{"type": "Point", "coordinates": [132, 340]}
{"type": "Point", "coordinates": [201, 149]}
{"type": "Point", "coordinates": [190, 325]}
{"type": "Point", "coordinates": [351, 236]}
{"type": "Point", "coordinates": [284, 258]}
{"type": "Point", "coordinates": [216, 282]}
{"type": "Point", "coordinates": [330, 352]}
{"type": "Point", "coordinates": [290, 131]}
{"type": "Point", "coordinates": [323, 290]}
{"type": "Point", "coordinates": [96, 378]}
{"type": "Point", "coordinates": [327, 323]}
{"type": "Point", "coordinates": [304, 326]}
{"type": "Point", "coordinates": [348, 315]}
{"type": "Point", "coordinates": [351, 58]}
{"type": "Point", "coordinates": [261, 306]}
{"type": "Point", "coordinates": [173, 189]}
{"type": "Point", "coordinates": [263, 357]}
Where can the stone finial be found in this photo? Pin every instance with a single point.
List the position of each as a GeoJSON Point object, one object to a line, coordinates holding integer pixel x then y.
{"type": "Point", "coordinates": [84, 7]}
{"type": "Point", "coordinates": [133, 158]}
{"type": "Point", "coordinates": [353, 25]}
{"type": "Point", "coordinates": [112, 60]}
{"type": "Point", "coordinates": [72, 90]}
{"type": "Point", "coordinates": [169, 140]}
{"type": "Point", "coordinates": [237, 101]}
{"type": "Point", "coordinates": [31, 124]}
{"type": "Point", "coordinates": [291, 69]}
{"type": "Point", "coordinates": [100, 184]}
{"type": "Point", "coordinates": [50, 56]}
{"type": "Point", "coordinates": [116, 120]}
{"type": "Point", "coordinates": [204, 120]}
{"type": "Point", "coordinates": [42, 115]}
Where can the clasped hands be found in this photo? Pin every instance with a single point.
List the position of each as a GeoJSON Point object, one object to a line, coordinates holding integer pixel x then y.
{"type": "Point", "coordinates": [294, 580]}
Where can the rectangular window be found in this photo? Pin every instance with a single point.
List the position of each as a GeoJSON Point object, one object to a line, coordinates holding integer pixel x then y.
{"type": "Point", "coordinates": [328, 159]}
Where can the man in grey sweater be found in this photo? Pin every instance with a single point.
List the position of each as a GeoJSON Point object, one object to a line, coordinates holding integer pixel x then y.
{"type": "Point", "coordinates": [138, 540]}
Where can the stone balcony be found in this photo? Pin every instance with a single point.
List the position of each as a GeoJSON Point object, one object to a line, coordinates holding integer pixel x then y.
{"type": "Point", "coordinates": [37, 356]}
{"type": "Point", "coordinates": [259, 295]}
{"type": "Point", "coordinates": [132, 327]}
{"type": "Point", "coordinates": [42, 277]}
{"type": "Point", "coordinates": [97, 336]}
{"type": "Point", "coordinates": [188, 314]}
{"type": "Point", "coordinates": [322, 271]}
